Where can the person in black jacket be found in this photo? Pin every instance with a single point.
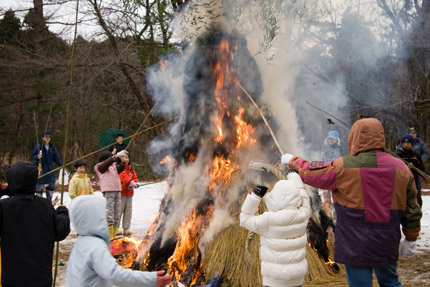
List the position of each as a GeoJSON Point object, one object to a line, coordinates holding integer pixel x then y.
{"type": "Point", "coordinates": [119, 146]}
{"type": "Point", "coordinates": [408, 154]}
{"type": "Point", "coordinates": [29, 227]}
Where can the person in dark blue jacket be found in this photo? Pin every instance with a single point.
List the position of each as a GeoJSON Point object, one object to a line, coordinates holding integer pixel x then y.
{"type": "Point", "coordinates": [44, 156]}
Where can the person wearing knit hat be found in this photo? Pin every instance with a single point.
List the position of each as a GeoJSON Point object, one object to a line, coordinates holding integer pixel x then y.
{"type": "Point", "coordinates": [418, 144]}
{"type": "Point", "coordinates": [408, 154]}
{"type": "Point", "coordinates": [407, 138]}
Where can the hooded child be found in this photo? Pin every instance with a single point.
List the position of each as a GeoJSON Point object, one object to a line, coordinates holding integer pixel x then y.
{"type": "Point", "coordinates": [91, 263]}
{"type": "Point", "coordinates": [332, 148]}
{"type": "Point", "coordinates": [282, 230]}
{"type": "Point", "coordinates": [29, 227]}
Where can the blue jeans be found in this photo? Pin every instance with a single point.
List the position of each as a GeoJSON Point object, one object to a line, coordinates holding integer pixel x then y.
{"type": "Point", "coordinates": [50, 188]}
{"type": "Point", "coordinates": [362, 276]}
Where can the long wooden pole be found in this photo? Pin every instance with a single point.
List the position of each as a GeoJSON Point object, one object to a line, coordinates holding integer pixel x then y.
{"type": "Point", "coordinates": [264, 119]}
{"type": "Point", "coordinates": [72, 65]}
{"type": "Point", "coordinates": [143, 122]}
{"type": "Point", "coordinates": [39, 165]}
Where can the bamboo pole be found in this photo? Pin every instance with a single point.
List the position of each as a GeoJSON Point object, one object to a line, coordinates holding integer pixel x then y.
{"type": "Point", "coordinates": [143, 122]}
{"type": "Point", "coordinates": [264, 119]}
{"type": "Point", "coordinates": [39, 165]}
{"type": "Point", "coordinates": [72, 65]}
{"type": "Point", "coordinates": [47, 120]}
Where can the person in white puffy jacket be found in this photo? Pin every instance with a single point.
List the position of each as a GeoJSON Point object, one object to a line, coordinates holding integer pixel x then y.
{"type": "Point", "coordinates": [91, 263]}
{"type": "Point", "coordinates": [282, 230]}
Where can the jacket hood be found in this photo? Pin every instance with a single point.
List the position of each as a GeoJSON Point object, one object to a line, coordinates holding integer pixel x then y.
{"type": "Point", "coordinates": [22, 178]}
{"type": "Point", "coordinates": [88, 216]}
{"type": "Point", "coordinates": [366, 134]}
{"type": "Point", "coordinates": [285, 194]}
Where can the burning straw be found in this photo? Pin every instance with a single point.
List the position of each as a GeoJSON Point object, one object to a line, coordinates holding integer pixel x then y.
{"type": "Point", "coordinates": [197, 234]}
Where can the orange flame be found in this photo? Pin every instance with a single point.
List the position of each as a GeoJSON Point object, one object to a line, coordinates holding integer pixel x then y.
{"type": "Point", "coordinates": [330, 262]}
{"type": "Point", "coordinates": [244, 130]}
{"type": "Point", "coordinates": [125, 251]}
{"type": "Point", "coordinates": [186, 248]}
{"type": "Point", "coordinates": [219, 170]}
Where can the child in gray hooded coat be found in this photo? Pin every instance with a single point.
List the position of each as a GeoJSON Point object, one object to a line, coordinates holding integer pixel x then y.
{"type": "Point", "coordinates": [91, 263]}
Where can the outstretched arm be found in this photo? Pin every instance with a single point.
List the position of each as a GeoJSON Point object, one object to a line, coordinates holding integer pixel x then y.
{"type": "Point", "coordinates": [106, 267]}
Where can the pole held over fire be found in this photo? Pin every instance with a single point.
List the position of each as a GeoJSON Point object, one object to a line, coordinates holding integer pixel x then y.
{"type": "Point", "coordinates": [264, 119]}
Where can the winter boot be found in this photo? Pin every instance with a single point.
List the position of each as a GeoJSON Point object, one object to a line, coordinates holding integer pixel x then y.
{"type": "Point", "coordinates": [118, 232]}
{"type": "Point", "coordinates": [127, 232]}
{"type": "Point", "coordinates": [111, 232]}
{"type": "Point", "coordinates": [115, 229]}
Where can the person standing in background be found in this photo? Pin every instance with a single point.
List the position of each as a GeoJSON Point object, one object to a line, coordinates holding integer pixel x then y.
{"type": "Point", "coordinates": [419, 145]}
{"type": "Point", "coordinates": [119, 146]}
{"type": "Point", "coordinates": [80, 184]}
{"type": "Point", "coordinates": [332, 149]}
{"type": "Point", "coordinates": [128, 182]}
{"type": "Point", "coordinates": [108, 170]}
{"type": "Point", "coordinates": [44, 156]}
{"type": "Point", "coordinates": [408, 154]}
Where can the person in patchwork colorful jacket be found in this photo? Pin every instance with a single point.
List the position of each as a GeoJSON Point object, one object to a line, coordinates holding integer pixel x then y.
{"type": "Point", "coordinates": [374, 195]}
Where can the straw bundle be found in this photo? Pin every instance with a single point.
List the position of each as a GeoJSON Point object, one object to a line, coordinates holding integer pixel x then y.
{"type": "Point", "coordinates": [319, 273]}
{"type": "Point", "coordinates": [234, 254]}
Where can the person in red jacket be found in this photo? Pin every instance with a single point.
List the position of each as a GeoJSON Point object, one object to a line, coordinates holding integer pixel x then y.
{"type": "Point", "coordinates": [128, 182]}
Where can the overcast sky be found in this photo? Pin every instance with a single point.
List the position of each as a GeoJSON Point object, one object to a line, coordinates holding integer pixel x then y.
{"type": "Point", "coordinates": [64, 13]}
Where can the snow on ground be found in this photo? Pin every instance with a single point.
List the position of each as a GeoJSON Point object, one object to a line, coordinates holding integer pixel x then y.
{"type": "Point", "coordinates": [424, 239]}
{"type": "Point", "coordinates": [146, 203]}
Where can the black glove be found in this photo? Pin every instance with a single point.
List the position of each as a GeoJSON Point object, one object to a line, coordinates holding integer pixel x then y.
{"type": "Point", "coordinates": [260, 190]}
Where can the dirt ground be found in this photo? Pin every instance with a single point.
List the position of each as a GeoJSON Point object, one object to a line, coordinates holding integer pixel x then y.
{"type": "Point", "coordinates": [413, 272]}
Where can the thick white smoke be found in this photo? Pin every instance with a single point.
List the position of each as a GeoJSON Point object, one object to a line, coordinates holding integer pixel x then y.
{"type": "Point", "coordinates": [292, 44]}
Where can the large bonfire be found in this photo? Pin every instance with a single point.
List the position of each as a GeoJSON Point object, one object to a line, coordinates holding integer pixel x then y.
{"type": "Point", "coordinates": [196, 235]}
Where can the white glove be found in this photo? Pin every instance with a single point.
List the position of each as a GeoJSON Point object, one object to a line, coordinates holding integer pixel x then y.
{"type": "Point", "coordinates": [122, 154]}
{"type": "Point", "coordinates": [132, 183]}
{"type": "Point", "coordinates": [285, 159]}
{"type": "Point", "coordinates": [260, 166]}
{"type": "Point", "coordinates": [408, 248]}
